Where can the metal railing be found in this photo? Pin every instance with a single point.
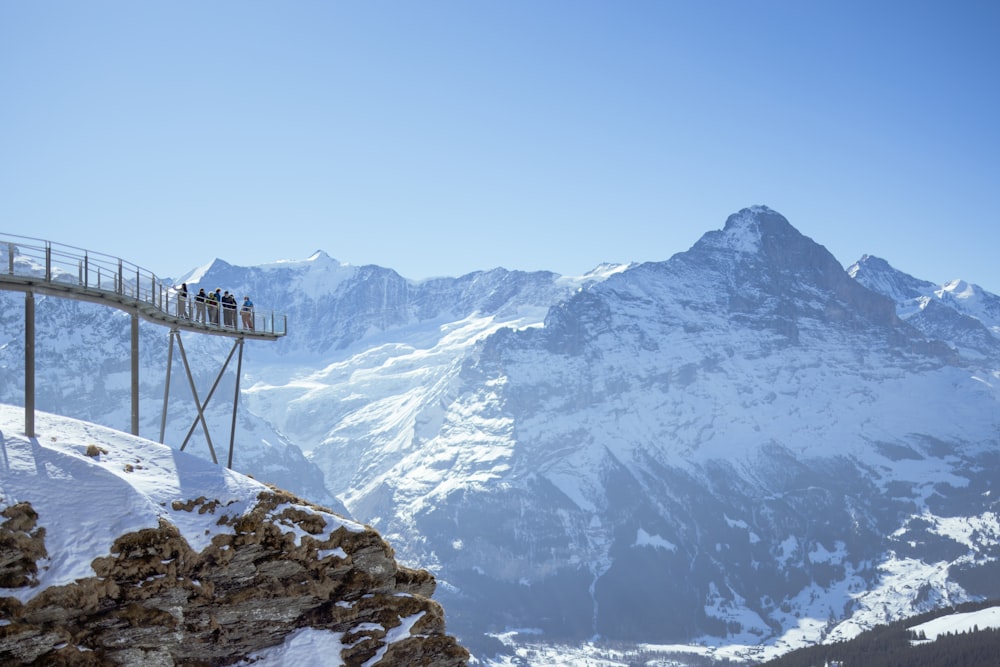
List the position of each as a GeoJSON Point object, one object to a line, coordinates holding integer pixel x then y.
{"type": "Point", "coordinates": [98, 273]}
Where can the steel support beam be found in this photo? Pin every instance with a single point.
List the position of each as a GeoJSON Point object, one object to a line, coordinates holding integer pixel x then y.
{"type": "Point", "coordinates": [236, 400]}
{"type": "Point", "coordinates": [166, 388]}
{"type": "Point", "coordinates": [135, 374]}
{"type": "Point", "coordinates": [29, 364]}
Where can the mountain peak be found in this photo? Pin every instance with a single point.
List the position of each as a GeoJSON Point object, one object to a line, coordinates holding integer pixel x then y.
{"type": "Point", "coordinates": [755, 216]}
{"type": "Point", "coordinates": [763, 260]}
{"type": "Point", "coordinates": [765, 233]}
{"type": "Point", "coordinates": [195, 276]}
{"type": "Point", "coordinates": [752, 230]}
{"type": "Point", "coordinates": [961, 289]}
{"type": "Point", "coordinates": [878, 275]}
{"type": "Point", "coordinates": [321, 256]}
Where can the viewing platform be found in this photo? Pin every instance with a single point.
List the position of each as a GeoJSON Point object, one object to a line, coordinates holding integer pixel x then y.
{"type": "Point", "coordinates": [34, 266]}
{"type": "Point", "coordinates": [44, 267]}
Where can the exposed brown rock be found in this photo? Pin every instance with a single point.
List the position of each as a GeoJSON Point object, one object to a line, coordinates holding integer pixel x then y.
{"type": "Point", "coordinates": [154, 601]}
{"type": "Point", "coordinates": [21, 545]}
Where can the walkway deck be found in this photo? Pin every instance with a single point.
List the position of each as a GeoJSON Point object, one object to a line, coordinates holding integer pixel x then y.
{"type": "Point", "coordinates": [44, 267]}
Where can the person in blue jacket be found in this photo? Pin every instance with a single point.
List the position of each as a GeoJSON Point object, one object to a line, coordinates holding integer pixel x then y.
{"type": "Point", "coordinates": [246, 313]}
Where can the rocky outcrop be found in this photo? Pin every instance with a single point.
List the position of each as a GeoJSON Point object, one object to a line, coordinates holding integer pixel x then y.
{"type": "Point", "coordinates": [22, 543]}
{"type": "Point", "coordinates": [278, 568]}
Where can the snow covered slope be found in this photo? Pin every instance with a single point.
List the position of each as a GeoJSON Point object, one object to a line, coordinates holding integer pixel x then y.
{"type": "Point", "coordinates": [129, 552]}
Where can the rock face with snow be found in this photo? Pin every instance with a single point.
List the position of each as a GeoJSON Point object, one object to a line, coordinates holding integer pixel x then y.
{"type": "Point", "coordinates": [720, 445]}
{"type": "Point", "coordinates": [204, 567]}
{"type": "Point", "coordinates": [744, 444]}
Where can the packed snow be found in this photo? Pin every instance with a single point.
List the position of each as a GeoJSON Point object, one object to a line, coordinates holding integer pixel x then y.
{"type": "Point", "coordinates": [956, 624]}
{"type": "Point", "coordinates": [90, 485]}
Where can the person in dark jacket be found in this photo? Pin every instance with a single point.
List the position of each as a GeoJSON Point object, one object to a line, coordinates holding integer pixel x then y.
{"type": "Point", "coordinates": [229, 309]}
{"type": "Point", "coordinates": [182, 301]}
{"type": "Point", "coordinates": [199, 305]}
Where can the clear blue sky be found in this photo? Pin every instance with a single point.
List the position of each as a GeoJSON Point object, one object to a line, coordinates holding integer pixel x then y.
{"type": "Point", "coordinates": [446, 136]}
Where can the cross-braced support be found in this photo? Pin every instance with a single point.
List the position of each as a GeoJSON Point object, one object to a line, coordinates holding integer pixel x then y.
{"type": "Point", "coordinates": [176, 335]}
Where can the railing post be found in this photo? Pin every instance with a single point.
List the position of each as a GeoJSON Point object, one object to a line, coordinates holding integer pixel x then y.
{"type": "Point", "coordinates": [285, 330]}
{"type": "Point", "coordinates": [10, 258]}
{"type": "Point", "coordinates": [120, 287]}
{"type": "Point", "coordinates": [272, 321]}
{"type": "Point", "coordinates": [86, 270]}
{"type": "Point", "coordinates": [48, 262]}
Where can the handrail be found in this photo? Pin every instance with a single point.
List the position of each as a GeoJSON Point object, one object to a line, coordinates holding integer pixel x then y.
{"type": "Point", "coordinates": [78, 269]}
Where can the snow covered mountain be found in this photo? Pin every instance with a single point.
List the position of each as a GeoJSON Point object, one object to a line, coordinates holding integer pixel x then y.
{"type": "Point", "coordinates": [965, 315]}
{"type": "Point", "coordinates": [743, 446]}
{"type": "Point", "coordinates": [740, 444]}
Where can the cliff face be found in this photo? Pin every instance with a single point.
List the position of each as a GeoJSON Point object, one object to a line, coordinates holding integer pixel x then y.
{"type": "Point", "coordinates": [261, 570]}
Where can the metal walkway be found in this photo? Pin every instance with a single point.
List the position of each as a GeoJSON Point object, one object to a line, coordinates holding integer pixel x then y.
{"type": "Point", "coordinates": [37, 266]}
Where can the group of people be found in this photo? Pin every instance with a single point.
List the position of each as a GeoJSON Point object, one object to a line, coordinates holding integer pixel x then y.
{"type": "Point", "coordinates": [209, 305]}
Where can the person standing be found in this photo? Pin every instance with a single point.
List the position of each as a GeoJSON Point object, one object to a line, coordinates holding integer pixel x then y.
{"type": "Point", "coordinates": [182, 301]}
{"type": "Point", "coordinates": [199, 305]}
{"type": "Point", "coordinates": [246, 313]}
{"type": "Point", "coordinates": [229, 309]}
{"type": "Point", "coordinates": [213, 306]}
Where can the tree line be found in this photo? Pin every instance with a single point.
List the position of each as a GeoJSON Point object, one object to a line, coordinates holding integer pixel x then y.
{"type": "Point", "coordinates": [893, 645]}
